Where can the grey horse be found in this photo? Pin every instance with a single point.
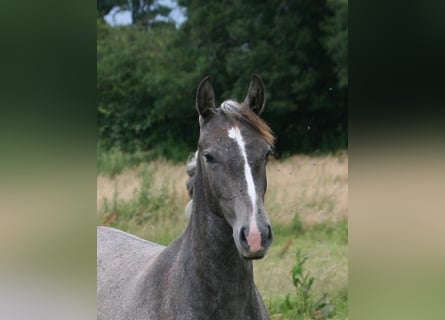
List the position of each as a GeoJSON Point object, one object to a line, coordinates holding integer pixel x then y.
{"type": "Point", "coordinates": [207, 272]}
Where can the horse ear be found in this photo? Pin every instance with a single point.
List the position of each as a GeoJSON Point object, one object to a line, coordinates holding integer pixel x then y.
{"type": "Point", "coordinates": [255, 98]}
{"type": "Point", "coordinates": [205, 98]}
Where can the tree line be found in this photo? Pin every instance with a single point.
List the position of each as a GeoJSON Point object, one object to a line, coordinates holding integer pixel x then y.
{"type": "Point", "coordinates": [147, 72]}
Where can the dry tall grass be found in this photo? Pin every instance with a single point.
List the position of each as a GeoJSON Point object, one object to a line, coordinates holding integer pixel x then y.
{"type": "Point", "coordinates": [128, 182]}
{"type": "Point", "coordinates": [314, 187]}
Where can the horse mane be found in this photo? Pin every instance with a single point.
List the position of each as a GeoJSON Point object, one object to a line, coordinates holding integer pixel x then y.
{"type": "Point", "coordinates": [243, 113]}
{"type": "Point", "coordinates": [191, 169]}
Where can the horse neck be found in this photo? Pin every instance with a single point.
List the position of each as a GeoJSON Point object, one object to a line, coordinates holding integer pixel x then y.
{"type": "Point", "coordinates": [214, 258]}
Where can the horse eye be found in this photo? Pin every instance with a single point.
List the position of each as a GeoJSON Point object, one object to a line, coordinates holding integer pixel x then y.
{"type": "Point", "coordinates": [209, 158]}
{"type": "Point", "coordinates": [268, 155]}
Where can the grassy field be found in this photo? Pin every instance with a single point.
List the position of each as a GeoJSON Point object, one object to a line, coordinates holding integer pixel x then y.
{"type": "Point", "coordinates": [307, 201]}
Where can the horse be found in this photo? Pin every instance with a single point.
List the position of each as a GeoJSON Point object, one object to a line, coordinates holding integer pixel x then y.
{"type": "Point", "coordinates": [207, 272]}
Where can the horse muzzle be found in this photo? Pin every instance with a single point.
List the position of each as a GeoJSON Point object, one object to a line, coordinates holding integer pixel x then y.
{"type": "Point", "coordinates": [254, 239]}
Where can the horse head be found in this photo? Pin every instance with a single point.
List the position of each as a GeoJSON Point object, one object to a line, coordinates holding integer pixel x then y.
{"type": "Point", "coordinates": [233, 150]}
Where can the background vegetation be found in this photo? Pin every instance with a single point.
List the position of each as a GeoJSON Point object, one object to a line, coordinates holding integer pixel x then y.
{"type": "Point", "coordinates": [147, 71]}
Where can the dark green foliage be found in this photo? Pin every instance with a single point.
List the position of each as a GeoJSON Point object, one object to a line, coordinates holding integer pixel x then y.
{"type": "Point", "coordinates": [139, 104]}
{"type": "Point", "coordinates": [147, 77]}
{"type": "Point", "coordinates": [336, 39]}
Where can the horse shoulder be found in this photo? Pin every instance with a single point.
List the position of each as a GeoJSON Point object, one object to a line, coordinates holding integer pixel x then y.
{"type": "Point", "coordinates": [122, 260]}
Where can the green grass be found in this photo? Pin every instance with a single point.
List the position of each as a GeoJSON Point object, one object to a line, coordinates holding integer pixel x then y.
{"type": "Point", "coordinates": [323, 249]}
{"type": "Point", "coordinates": [113, 161]}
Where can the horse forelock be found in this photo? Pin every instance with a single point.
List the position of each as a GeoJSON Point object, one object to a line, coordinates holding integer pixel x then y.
{"type": "Point", "coordinates": [242, 113]}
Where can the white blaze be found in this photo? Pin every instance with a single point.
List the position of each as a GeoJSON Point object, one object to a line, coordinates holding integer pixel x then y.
{"type": "Point", "coordinates": [254, 237]}
{"type": "Point", "coordinates": [235, 134]}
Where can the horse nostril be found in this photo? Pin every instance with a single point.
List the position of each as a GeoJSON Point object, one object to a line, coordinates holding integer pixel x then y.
{"type": "Point", "coordinates": [269, 233]}
{"type": "Point", "coordinates": [243, 237]}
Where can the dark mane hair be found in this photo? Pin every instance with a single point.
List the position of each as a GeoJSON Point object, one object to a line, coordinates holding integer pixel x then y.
{"type": "Point", "coordinates": [242, 113]}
